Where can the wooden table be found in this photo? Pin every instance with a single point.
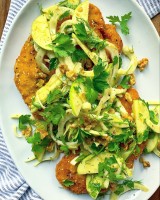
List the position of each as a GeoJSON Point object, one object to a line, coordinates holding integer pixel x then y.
{"type": "Point", "coordinates": [4, 6]}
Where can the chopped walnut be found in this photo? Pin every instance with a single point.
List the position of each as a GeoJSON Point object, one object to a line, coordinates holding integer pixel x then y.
{"type": "Point", "coordinates": [132, 79]}
{"type": "Point", "coordinates": [50, 147]}
{"type": "Point", "coordinates": [40, 83]}
{"type": "Point", "coordinates": [144, 162]}
{"type": "Point", "coordinates": [27, 132]}
{"type": "Point", "coordinates": [42, 75]}
{"type": "Point", "coordinates": [126, 116]}
{"type": "Point", "coordinates": [128, 97]}
{"type": "Point", "coordinates": [113, 186]}
{"type": "Point", "coordinates": [112, 111]}
{"type": "Point", "coordinates": [63, 68]}
{"type": "Point", "coordinates": [71, 75]}
{"type": "Point", "coordinates": [142, 64]}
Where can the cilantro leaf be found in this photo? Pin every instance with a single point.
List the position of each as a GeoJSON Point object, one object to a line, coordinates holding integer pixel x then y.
{"type": "Point", "coordinates": [122, 22]}
{"type": "Point", "coordinates": [53, 63]}
{"type": "Point", "coordinates": [62, 45]}
{"type": "Point", "coordinates": [68, 183]}
{"type": "Point", "coordinates": [25, 120]}
{"type": "Point", "coordinates": [125, 82]}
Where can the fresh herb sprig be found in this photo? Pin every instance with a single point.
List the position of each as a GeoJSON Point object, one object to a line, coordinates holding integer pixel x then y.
{"type": "Point", "coordinates": [122, 22]}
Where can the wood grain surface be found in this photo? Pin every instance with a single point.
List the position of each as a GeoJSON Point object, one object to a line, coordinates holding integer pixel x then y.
{"type": "Point", "coordinates": [4, 7]}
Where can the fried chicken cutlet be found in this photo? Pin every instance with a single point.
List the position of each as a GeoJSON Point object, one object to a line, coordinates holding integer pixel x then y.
{"type": "Point", "coordinates": [27, 79]}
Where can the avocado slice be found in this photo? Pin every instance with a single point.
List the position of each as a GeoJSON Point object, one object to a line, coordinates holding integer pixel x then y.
{"type": "Point", "coordinates": [42, 94]}
{"type": "Point", "coordinates": [141, 113]}
{"type": "Point", "coordinates": [142, 119]}
{"type": "Point", "coordinates": [94, 184]}
{"type": "Point", "coordinates": [89, 165]}
{"type": "Point", "coordinates": [152, 143]}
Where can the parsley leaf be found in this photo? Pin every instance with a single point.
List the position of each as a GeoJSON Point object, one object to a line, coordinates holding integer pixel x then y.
{"type": "Point", "coordinates": [100, 82]}
{"type": "Point", "coordinates": [38, 145]}
{"type": "Point", "coordinates": [25, 120]}
{"type": "Point", "coordinates": [96, 149]}
{"type": "Point", "coordinates": [115, 60]}
{"type": "Point", "coordinates": [64, 15]}
{"type": "Point", "coordinates": [53, 113]}
{"type": "Point", "coordinates": [91, 94]}
{"type": "Point", "coordinates": [81, 135]}
{"type": "Point", "coordinates": [36, 138]}
{"type": "Point", "coordinates": [79, 55]}
{"type": "Point", "coordinates": [87, 37]}
{"type": "Point", "coordinates": [53, 63]}
{"type": "Point", "coordinates": [62, 45]}
{"type": "Point", "coordinates": [68, 183]}
{"type": "Point", "coordinates": [113, 147]}
{"type": "Point", "coordinates": [143, 137]}
{"type": "Point", "coordinates": [65, 149]}
{"type": "Point", "coordinates": [94, 189]}
{"type": "Point", "coordinates": [125, 82]}
{"type": "Point", "coordinates": [153, 117]}
{"type": "Point", "coordinates": [122, 22]}
{"type": "Point", "coordinates": [53, 96]}
{"type": "Point", "coordinates": [100, 77]}
{"type": "Point", "coordinates": [68, 4]}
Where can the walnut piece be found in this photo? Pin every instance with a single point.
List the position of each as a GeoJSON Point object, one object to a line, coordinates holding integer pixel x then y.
{"type": "Point", "coordinates": [144, 162]}
{"type": "Point", "coordinates": [128, 97]}
{"type": "Point", "coordinates": [132, 79]}
{"type": "Point", "coordinates": [142, 64]}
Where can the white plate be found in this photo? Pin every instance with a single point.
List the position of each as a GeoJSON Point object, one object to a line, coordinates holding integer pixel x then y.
{"type": "Point", "coordinates": [145, 41]}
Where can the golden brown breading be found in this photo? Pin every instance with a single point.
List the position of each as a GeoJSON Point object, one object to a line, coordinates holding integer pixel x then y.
{"type": "Point", "coordinates": [27, 74]}
{"type": "Point", "coordinates": [110, 33]}
{"type": "Point", "coordinates": [104, 31]}
{"type": "Point", "coordinates": [66, 171]}
{"type": "Point", "coordinates": [96, 20]}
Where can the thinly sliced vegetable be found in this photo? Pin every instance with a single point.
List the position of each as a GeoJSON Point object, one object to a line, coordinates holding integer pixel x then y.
{"type": "Point", "coordinates": [92, 55]}
{"type": "Point", "coordinates": [43, 92]}
{"type": "Point", "coordinates": [137, 186]}
{"type": "Point", "coordinates": [129, 52]}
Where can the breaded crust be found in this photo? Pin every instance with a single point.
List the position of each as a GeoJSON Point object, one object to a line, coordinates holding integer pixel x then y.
{"type": "Point", "coordinates": [104, 31]}
{"type": "Point", "coordinates": [27, 74]}
{"type": "Point", "coordinates": [66, 171]}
